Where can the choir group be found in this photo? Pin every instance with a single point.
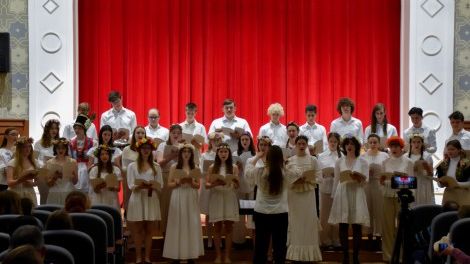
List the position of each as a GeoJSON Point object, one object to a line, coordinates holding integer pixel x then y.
{"type": "Point", "coordinates": [168, 179]}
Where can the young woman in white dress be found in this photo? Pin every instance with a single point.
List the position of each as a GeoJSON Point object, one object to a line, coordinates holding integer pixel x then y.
{"type": "Point", "coordinates": [375, 157]}
{"type": "Point", "coordinates": [215, 138]}
{"type": "Point", "coordinates": [400, 163]}
{"type": "Point", "coordinates": [129, 154]}
{"type": "Point", "coordinates": [423, 169]}
{"type": "Point", "coordinates": [102, 194]}
{"type": "Point", "coordinates": [20, 170]}
{"type": "Point", "coordinates": [329, 234]}
{"type": "Point", "coordinates": [174, 139]}
{"type": "Point", "coordinates": [349, 198]}
{"type": "Point", "coordinates": [144, 205]}
{"type": "Point", "coordinates": [44, 152]}
{"type": "Point", "coordinates": [302, 238]}
{"type": "Point", "coordinates": [379, 124]}
{"type": "Point", "coordinates": [7, 150]}
{"type": "Point", "coordinates": [105, 138]}
{"type": "Point", "coordinates": [60, 184]}
{"type": "Point", "coordinates": [246, 150]}
{"type": "Point", "coordinates": [223, 201]}
{"type": "Point", "coordinates": [183, 240]}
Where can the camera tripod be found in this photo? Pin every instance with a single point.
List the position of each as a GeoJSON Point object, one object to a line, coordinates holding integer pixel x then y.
{"type": "Point", "coordinates": [404, 232]}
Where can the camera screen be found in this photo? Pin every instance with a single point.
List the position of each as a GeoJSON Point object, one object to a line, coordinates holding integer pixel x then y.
{"type": "Point", "coordinates": [404, 182]}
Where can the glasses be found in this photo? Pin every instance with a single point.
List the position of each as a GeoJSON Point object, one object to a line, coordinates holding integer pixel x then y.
{"type": "Point", "coordinates": [14, 134]}
{"type": "Point", "coordinates": [154, 117]}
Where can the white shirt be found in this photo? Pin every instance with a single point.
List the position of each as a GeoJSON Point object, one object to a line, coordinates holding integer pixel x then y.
{"type": "Point", "coordinates": [453, 163]}
{"type": "Point", "coordinates": [5, 156]}
{"type": "Point", "coordinates": [69, 133]}
{"type": "Point", "coordinates": [353, 127]}
{"type": "Point", "coordinates": [276, 132]}
{"type": "Point", "coordinates": [158, 132]}
{"type": "Point", "coordinates": [401, 164]}
{"type": "Point", "coordinates": [194, 128]}
{"type": "Point", "coordinates": [124, 118]}
{"type": "Point", "coordinates": [43, 153]}
{"type": "Point", "coordinates": [391, 131]}
{"type": "Point", "coordinates": [230, 123]}
{"type": "Point", "coordinates": [463, 137]}
{"type": "Point", "coordinates": [314, 133]}
{"type": "Point", "coordinates": [429, 137]}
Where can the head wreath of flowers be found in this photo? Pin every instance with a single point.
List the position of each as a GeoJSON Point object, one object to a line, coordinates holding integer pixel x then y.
{"type": "Point", "coordinates": [144, 141]}
{"type": "Point", "coordinates": [186, 145]}
{"type": "Point", "coordinates": [24, 140]}
{"type": "Point", "coordinates": [223, 146]}
{"type": "Point", "coordinates": [60, 141]}
{"type": "Point", "coordinates": [417, 135]}
{"type": "Point", "coordinates": [265, 139]}
{"type": "Point", "coordinates": [102, 147]}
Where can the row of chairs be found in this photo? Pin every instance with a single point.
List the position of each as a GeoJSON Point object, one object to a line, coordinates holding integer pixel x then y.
{"type": "Point", "coordinates": [101, 225]}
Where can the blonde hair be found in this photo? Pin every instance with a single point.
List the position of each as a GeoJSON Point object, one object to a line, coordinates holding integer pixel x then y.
{"type": "Point", "coordinates": [18, 166]}
{"type": "Point", "coordinates": [276, 108]}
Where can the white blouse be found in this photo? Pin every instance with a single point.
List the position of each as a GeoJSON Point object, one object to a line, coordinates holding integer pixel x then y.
{"type": "Point", "coordinates": [43, 152]}
{"type": "Point", "coordinates": [134, 174]}
{"type": "Point", "coordinates": [391, 131]}
{"type": "Point", "coordinates": [359, 165]}
{"type": "Point", "coordinates": [353, 126]}
{"type": "Point", "coordinates": [5, 156]}
{"type": "Point", "coordinates": [401, 164]}
{"type": "Point", "coordinates": [276, 132]}
{"type": "Point", "coordinates": [314, 133]}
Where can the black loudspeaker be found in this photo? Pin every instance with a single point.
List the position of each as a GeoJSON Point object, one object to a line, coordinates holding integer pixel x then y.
{"type": "Point", "coordinates": [4, 52]}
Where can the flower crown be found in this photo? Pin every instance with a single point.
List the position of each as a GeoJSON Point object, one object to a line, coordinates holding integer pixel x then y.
{"type": "Point", "coordinates": [60, 141]}
{"type": "Point", "coordinates": [24, 140]}
{"type": "Point", "coordinates": [417, 135]}
{"type": "Point", "coordinates": [223, 146]}
{"type": "Point", "coordinates": [144, 141]}
{"type": "Point", "coordinates": [185, 145]}
{"type": "Point", "coordinates": [265, 139]}
{"type": "Point", "coordinates": [102, 147]}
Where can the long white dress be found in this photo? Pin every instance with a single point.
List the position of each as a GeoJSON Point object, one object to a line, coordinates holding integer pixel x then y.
{"type": "Point", "coordinates": [105, 196]}
{"type": "Point", "coordinates": [223, 202]}
{"type": "Point", "coordinates": [62, 187]}
{"type": "Point", "coordinates": [204, 193]}
{"type": "Point", "coordinates": [302, 233]}
{"type": "Point", "coordinates": [349, 198]}
{"type": "Point", "coordinates": [142, 207]}
{"type": "Point", "coordinates": [424, 193]}
{"type": "Point", "coordinates": [374, 192]}
{"type": "Point", "coordinates": [21, 189]}
{"type": "Point", "coordinates": [183, 238]}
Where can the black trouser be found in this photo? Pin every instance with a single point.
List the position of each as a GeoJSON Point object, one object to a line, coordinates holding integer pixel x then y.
{"type": "Point", "coordinates": [343, 236]}
{"type": "Point", "coordinates": [267, 226]}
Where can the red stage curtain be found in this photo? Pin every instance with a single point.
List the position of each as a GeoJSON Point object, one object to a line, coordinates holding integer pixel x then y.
{"type": "Point", "coordinates": [165, 53]}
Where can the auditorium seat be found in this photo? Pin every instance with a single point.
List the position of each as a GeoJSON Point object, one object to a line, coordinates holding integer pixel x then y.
{"type": "Point", "coordinates": [79, 244]}
{"type": "Point", "coordinates": [7, 220]}
{"type": "Point", "coordinates": [4, 241]}
{"type": "Point", "coordinates": [460, 235]}
{"type": "Point", "coordinates": [49, 207]}
{"type": "Point", "coordinates": [96, 228]}
{"type": "Point", "coordinates": [56, 254]}
{"type": "Point", "coordinates": [42, 215]}
{"type": "Point", "coordinates": [440, 227]}
{"type": "Point", "coordinates": [422, 215]}
{"type": "Point", "coordinates": [108, 219]}
{"type": "Point", "coordinates": [119, 241]}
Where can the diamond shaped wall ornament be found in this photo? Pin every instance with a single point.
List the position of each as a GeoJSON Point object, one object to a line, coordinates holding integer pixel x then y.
{"type": "Point", "coordinates": [51, 82]}
{"type": "Point", "coordinates": [50, 6]}
{"type": "Point", "coordinates": [432, 7]}
{"type": "Point", "coordinates": [430, 83]}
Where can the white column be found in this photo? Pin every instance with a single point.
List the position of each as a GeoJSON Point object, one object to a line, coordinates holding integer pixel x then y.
{"type": "Point", "coordinates": [51, 63]}
{"type": "Point", "coordinates": [427, 56]}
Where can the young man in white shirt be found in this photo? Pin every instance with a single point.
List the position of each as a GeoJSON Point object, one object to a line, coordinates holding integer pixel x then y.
{"type": "Point", "coordinates": [458, 132]}
{"type": "Point", "coordinates": [346, 123]}
{"type": "Point", "coordinates": [313, 131]}
{"type": "Point", "coordinates": [275, 130]}
{"type": "Point", "coordinates": [231, 121]}
{"type": "Point", "coordinates": [69, 133]}
{"type": "Point", "coordinates": [154, 130]}
{"type": "Point", "coordinates": [118, 117]}
{"type": "Point", "coordinates": [429, 134]}
{"type": "Point", "coordinates": [192, 127]}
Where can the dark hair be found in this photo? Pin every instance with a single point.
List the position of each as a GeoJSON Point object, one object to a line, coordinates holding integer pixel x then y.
{"type": "Point", "coordinates": [292, 123]}
{"type": "Point", "coordinates": [108, 167]}
{"type": "Point", "coordinates": [27, 235]}
{"type": "Point", "coordinates": [5, 134]}
{"type": "Point", "coordinates": [59, 220]}
{"type": "Point", "coordinates": [357, 145]}
{"type": "Point", "coordinates": [100, 137]}
{"type": "Point", "coordinates": [373, 124]}
{"type": "Point", "coordinates": [251, 147]}
{"type": "Point", "coordinates": [22, 254]}
{"type": "Point", "coordinates": [374, 136]}
{"type": "Point", "coordinates": [218, 161]}
{"type": "Point", "coordinates": [421, 151]}
{"type": "Point", "coordinates": [275, 164]}
{"type": "Point", "coordinates": [76, 202]}
{"type": "Point", "coordinates": [179, 164]}
{"type": "Point", "coordinates": [173, 127]}
{"type": "Point", "coordinates": [311, 108]}
{"type": "Point", "coordinates": [55, 146]}
{"type": "Point", "coordinates": [228, 101]}
{"type": "Point", "coordinates": [191, 106]}
{"type": "Point", "coordinates": [26, 206]}
{"type": "Point", "coordinates": [415, 110]}
{"type": "Point", "coordinates": [113, 96]}
{"type": "Point", "coordinates": [454, 143]}
{"type": "Point", "coordinates": [134, 138]}
{"type": "Point", "coordinates": [457, 115]}
{"type": "Point", "coordinates": [464, 211]}
{"type": "Point", "coordinates": [338, 138]}
{"type": "Point", "coordinates": [345, 101]}
{"type": "Point", "coordinates": [301, 137]}
{"type": "Point", "coordinates": [46, 140]}
{"type": "Point", "coordinates": [10, 202]}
